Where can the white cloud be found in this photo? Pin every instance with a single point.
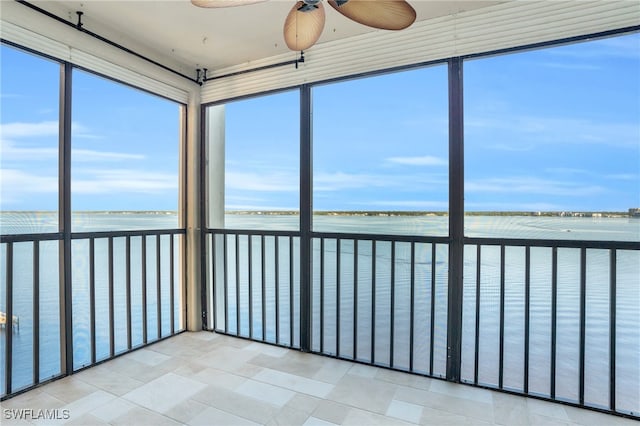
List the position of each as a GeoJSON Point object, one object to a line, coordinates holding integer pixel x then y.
{"type": "Point", "coordinates": [426, 160]}
{"type": "Point", "coordinates": [123, 181]}
{"type": "Point", "coordinates": [268, 181]}
{"type": "Point", "coordinates": [11, 152]}
{"type": "Point", "coordinates": [532, 185]}
{"type": "Point", "coordinates": [19, 130]}
{"type": "Point", "coordinates": [26, 130]}
{"type": "Point", "coordinates": [415, 204]}
{"type": "Point", "coordinates": [530, 129]}
{"type": "Point", "coordinates": [17, 184]}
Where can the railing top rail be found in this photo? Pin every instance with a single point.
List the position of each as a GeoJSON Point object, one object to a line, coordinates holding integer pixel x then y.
{"type": "Point", "coordinates": [382, 237]}
{"type": "Point", "coordinates": [52, 236]}
{"type": "Point", "coordinates": [588, 244]}
{"type": "Point", "coordinates": [132, 233]}
{"type": "Point", "coordinates": [265, 232]}
{"type": "Point", "coordinates": [20, 238]}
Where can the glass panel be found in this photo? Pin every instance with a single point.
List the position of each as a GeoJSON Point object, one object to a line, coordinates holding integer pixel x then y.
{"type": "Point", "coordinates": [380, 150]}
{"type": "Point", "coordinates": [28, 143]}
{"type": "Point", "coordinates": [552, 142]}
{"type": "Point", "coordinates": [124, 157]}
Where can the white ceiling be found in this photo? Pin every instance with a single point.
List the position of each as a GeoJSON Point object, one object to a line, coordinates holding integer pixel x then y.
{"type": "Point", "coordinates": [174, 32]}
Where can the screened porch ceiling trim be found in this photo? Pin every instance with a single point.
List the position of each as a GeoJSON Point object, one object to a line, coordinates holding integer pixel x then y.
{"type": "Point", "coordinates": [501, 26]}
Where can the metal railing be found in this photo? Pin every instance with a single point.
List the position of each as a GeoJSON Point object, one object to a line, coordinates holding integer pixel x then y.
{"type": "Point", "coordinates": [127, 291]}
{"type": "Point", "coordinates": [382, 300]}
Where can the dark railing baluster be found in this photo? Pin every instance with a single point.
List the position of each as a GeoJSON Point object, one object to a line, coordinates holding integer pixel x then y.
{"type": "Point", "coordinates": [501, 353]}
{"type": "Point", "coordinates": [214, 282]}
{"type": "Point", "coordinates": [583, 297]}
{"type": "Point", "coordinates": [276, 258]}
{"type": "Point", "coordinates": [128, 290]}
{"type": "Point", "coordinates": [338, 297]}
{"type": "Point", "coordinates": [412, 284]}
{"type": "Point", "coordinates": [373, 302]}
{"type": "Point", "coordinates": [554, 303]}
{"type": "Point", "coordinates": [36, 312]}
{"type": "Point", "coordinates": [250, 257]}
{"type": "Point", "coordinates": [237, 244]}
{"type": "Point", "coordinates": [393, 303]}
{"type": "Point", "coordinates": [355, 299]}
{"type": "Point", "coordinates": [171, 284]}
{"type": "Point", "coordinates": [8, 355]}
{"type": "Point", "coordinates": [432, 313]}
{"type": "Point", "coordinates": [527, 315]}
{"type": "Point", "coordinates": [92, 297]}
{"type": "Point", "coordinates": [264, 287]}
{"type": "Point", "coordinates": [291, 291]}
{"type": "Point", "coordinates": [112, 328]}
{"type": "Point", "coordinates": [225, 299]}
{"type": "Point", "coordinates": [144, 288]}
{"type": "Point", "coordinates": [613, 266]}
{"type": "Point", "coordinates": [158, 287]}
{"type": "Point", "coordinates": [476, 362]}
{"type": "Point", "coordinates": [321, 295]}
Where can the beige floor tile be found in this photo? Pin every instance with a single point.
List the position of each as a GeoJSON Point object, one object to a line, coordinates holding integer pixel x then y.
{"type": "Point", "coordinates": [547, 409]}
{"type": "Point", "coordinates": [363, 393]}
{"type": "Point", "coordinates": [593, 418]}
{"type": "Point", "coordinates": [237, 404]}
{"type": "Point", "coordinates": [186, 411]}
{"type": "Point", "coordinates": [213, 416]}
{"type": "Point", "coordinates": [265, 392]}
{"type": "Point", "coordinates": [112, 409]}
{"type": "Point", "coordinates": [461, 391]}
{"type": "Point", "coordinates": [88, 403]}
{"type": "Point", "coordinates": [438, 401]}
{"type": "Point", "coordinates": [295, 382]}
{"type": "Point", "coordinates": [148, 357]}
{"type": "Point", "coordinates": [404, 379]}
{"type": "Point", "coordinates": [405, 411]}
{"type": "Point", "coordinates": [223, 379]}
{"type": "Point", "coordinates": [139, 416]}
{"type": "Point", "coordinates": [331, 411]}
{"type": "Point", "coordinates": [433, 417]}
{"type": "Point", "coordinates": [314, 421]}
{"type": "Point", "coordinates": [165, 392]}
{"type": "Point", "coordinates": [304, 403]}
{"type": "Point", "coordinates": [108, 380]}
{"type": "Point", "coordinates": [332, 371]}
{"type": "Point", "coordinates": [510, 409]}
{"type": "Point", "coordinates": [87, 420]}
{"type": "Point", "coordinates": [288, 416]}
{"type": "Point", "coordinates": [69, 389]}
{"type": "Point", "coordinates": [357, 417]}
{"type": "Point", "coordinates": [540, 420]}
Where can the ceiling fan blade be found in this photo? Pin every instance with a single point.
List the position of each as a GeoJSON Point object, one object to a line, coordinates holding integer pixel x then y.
{"type": "Point", "coordinates": [383, 14]}
{"type": "Point", "coordinates": [224, 3]}
{"type": "Point", "coordinates": [303, 25]}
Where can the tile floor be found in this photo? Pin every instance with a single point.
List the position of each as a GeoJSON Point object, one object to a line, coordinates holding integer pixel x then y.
{"type": "Point", "coordinates": [208, 379]}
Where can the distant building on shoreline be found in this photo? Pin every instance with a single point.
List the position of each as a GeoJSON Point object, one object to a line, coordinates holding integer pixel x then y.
{"type": "Point", "coordinates": [634, 212]}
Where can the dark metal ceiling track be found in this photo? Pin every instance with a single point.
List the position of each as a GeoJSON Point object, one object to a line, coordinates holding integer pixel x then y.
{"type": "Point", "coordinates": [80, 27]}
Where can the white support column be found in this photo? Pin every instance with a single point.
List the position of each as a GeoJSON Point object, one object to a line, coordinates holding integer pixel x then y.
{"type": "Point", "coordinates": [191, 191]}
{"type": "Point", "coordinates": [214, 176]}
{"type": "Point", "coordinates": [215, 165]}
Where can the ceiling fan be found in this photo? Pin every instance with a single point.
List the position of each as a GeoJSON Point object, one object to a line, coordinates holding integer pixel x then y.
{"type": "Point", "coordinates": [305, 22]}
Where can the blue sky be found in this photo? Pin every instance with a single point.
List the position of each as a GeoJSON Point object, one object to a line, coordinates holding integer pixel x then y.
{"type": "Point", "coordinates": [552, 129]}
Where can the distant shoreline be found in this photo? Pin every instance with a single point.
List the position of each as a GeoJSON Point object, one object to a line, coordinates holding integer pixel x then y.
{"type": "Point", "coordinates": [369, 213]}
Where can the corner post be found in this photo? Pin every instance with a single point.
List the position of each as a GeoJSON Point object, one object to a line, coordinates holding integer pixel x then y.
{"type": "Point", "coordinates": [456, 220]}
{"type": "Point", "coordinates": [306, 211]}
